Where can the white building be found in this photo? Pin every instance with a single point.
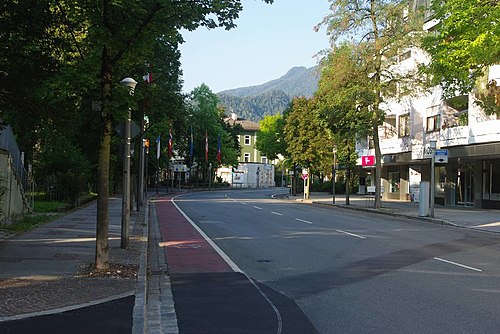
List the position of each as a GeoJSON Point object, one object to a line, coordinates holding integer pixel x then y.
{"type": "Point", "coordinates": [464, 133]}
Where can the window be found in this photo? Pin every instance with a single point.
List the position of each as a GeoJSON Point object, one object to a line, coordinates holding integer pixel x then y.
{"type": "Point", "coordinates": [263, 160]}
{"type": "Point", "coordinates": [404, 126]}
{"type": "Point", "coordinates": [433, 123]}
{"type": "Point", "coordinates": [247, 157]}
{"type": "Point", "coordinates": [247, 139]}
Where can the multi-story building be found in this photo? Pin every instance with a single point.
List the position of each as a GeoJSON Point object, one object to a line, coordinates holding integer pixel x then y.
{"type": "Point", "coordinates": [467, 142]}
{"type": "Point", "coordinates": [254, 170]}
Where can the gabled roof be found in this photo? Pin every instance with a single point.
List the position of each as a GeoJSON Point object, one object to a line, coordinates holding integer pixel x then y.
{"type": "Point", "coordinates": [245, 124]}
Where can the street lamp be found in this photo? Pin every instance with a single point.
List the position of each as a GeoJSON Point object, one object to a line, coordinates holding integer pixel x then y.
{"type": "Point", "coordinates": [432, 187]}
{"type": "Point", "coordinates": [130, 84]}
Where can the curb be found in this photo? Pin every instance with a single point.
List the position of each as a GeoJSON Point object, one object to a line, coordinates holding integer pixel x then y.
{"type": "Point", "coordinates": [386, 213]}
{"type": "Point", "coordinates": [139, 312]}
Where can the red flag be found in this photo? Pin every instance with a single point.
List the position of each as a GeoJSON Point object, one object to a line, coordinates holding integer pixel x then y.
{"type": "Point", "coordinates": [219, 153]}
{"type": "Point", "coordinates": [206, 146]}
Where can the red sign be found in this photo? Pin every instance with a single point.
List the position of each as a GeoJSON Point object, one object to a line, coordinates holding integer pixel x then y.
{"type": "Point", "coordinates": [367, 160]}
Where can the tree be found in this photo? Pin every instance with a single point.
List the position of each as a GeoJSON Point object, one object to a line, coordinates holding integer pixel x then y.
{"type": "Point", "coordinates": [343, 98]}
{"type": "Point", "coordinates": [270, 138]}
{"type": "Point", "coordinates": [85, 48]}
{"type": "Point", "coordinates": [207, 121]}
{"type": "Point", "coordinates": [122, 33]}
{"type": "Point", "coordinates": [462, 46]}
{"type": "Point", "coordinates": [308, 139]}
{"type": "Point", "coordinates": [382, 30]}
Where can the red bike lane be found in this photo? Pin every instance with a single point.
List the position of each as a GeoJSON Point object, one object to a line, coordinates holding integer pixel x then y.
{"type": "Point", "coordinates": [209, 296]}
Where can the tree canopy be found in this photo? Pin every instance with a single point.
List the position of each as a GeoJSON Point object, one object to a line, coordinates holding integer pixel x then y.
{"type": "Point", "coordinates": [463, 44]}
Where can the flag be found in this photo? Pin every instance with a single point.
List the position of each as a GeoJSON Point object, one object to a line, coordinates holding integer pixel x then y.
{"type": "Point", "coordinates": [206, 146]}
{"type": "Point", "coordinates": [170, 143]}
{"type": "Point", "coordinates": [148, 77]}
{"type": "Point", "coordinates": [219, 153]}
{"type": "Point", "coordinates": [158, 140]}
{"type": "Point", "coordinates": [191, 145]}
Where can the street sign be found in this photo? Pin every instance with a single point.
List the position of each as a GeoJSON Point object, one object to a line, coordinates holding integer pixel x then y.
{"type": "Point", "coordinates": [441, 156]}
{"type": "Point", "coordinates": [367, 160]}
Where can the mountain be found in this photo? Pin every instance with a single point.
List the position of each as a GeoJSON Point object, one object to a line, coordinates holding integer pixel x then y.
{"type": "Point", "coordinates": [272, 97]}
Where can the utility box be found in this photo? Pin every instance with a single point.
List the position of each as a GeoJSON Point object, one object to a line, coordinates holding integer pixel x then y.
{"type": "Point", "coordinates": [423, 199]}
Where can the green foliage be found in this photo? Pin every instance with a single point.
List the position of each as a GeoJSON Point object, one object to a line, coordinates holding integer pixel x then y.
{"type": "Point", "coordinates": [270, 138]}
{"type": "Point", "coordinates": [464, 43]}
{"type": "Point", "coordinates": [60, 167]}
{"type": "Point", "coordinates": [27, 223]}
{"type": "Point", "coordinates": [46, 206]}
{"type": "Point", "coordinates": [208, 119]}
{"type": "Point", "coordinates": [309, 141]}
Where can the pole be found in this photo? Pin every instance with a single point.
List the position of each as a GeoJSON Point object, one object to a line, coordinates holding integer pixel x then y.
{"type": "Point", "coordinates": [209, 176]}
{"type": "Point", "coordinates": [126, 185]}
{"type": "Point", "coordinates": [126, 203]}
{"type": "Point", "coordinates": [432, 187]}
{"type": "Point", "coordinates": [140, 178]}
{"type": "Point", "coordinates": [157, 175]}
{"type": "Point", "coordinates": [334, 170]}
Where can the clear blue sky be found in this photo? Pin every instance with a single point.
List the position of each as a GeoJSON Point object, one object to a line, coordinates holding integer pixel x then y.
{"type": "Point", "coordinates": [268, 41]}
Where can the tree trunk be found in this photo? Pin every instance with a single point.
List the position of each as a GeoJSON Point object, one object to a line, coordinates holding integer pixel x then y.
{"type": "Point", "coordinates": [102, 227]}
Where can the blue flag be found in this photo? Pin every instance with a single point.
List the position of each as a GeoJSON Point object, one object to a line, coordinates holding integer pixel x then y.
{"type": "Point", "coordinates": [158, 140]}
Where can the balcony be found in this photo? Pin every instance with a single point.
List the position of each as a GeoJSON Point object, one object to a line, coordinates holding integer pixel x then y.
{"type": "Point", "coordinates": [477, 133]}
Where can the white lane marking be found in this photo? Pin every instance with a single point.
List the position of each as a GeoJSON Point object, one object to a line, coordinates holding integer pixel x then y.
{"type": "Point", "coordinates": [241, 203]}
{"type": "Point", "coordinates": [258, 208]}
{"type": "Point", "coordinates": [304, 221]}
{"type": "Point", "coordinates": [457, 264]}
{"type": "Point", "coordinates": [351, 234]}
{"type": "Point", "coordinates": [276, 213]}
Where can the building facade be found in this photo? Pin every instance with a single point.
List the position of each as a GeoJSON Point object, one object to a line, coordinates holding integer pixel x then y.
{"type": "Point", "coordinates": [467, 146]}
{"type": "Point", "coordinates": [254, 170]}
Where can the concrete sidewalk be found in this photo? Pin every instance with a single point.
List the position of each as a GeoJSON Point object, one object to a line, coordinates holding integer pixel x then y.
{"type": "Point", "coordinates": [48, 270]}
{"type": "Point", "coordinates": [482, 219]}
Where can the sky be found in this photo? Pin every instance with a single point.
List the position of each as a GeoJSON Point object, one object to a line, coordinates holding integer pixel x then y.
{"type": "Point", "coordinates": [267, 42]}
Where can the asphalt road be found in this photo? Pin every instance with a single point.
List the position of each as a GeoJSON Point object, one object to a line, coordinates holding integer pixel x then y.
{"type": "Point", "coordinates": [352, 272]}
{"type": "Point", "coordinates": [110, 317]}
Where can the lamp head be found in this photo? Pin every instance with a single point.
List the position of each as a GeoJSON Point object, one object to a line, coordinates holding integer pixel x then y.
{"type": "Point", "coordinates": [129, 82]}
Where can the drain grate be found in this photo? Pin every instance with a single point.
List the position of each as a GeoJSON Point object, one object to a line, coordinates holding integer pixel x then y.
{"type": "Point", "coordinates": [264, 261]}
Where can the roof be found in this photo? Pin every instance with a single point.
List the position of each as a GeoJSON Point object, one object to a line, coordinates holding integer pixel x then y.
{"type": "Point", "coordinates": [245, 124]}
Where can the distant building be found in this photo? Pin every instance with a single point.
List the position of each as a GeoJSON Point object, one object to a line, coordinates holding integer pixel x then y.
{"type": "Point", "coordinates": [254, 170]}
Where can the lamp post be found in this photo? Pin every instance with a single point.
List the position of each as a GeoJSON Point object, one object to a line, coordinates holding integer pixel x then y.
{"type": "Point", "coordinates": [432, 187]}
{"type": "Point", "coordinates": [130, 84]}
{"type": "Point", "coordinates": [334, 169]}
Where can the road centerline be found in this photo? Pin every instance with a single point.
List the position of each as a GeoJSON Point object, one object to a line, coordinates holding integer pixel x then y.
{"type": "Point", "coordinates": [304, 221]}
{"type": "Point", "coordinates": [276, 213]}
